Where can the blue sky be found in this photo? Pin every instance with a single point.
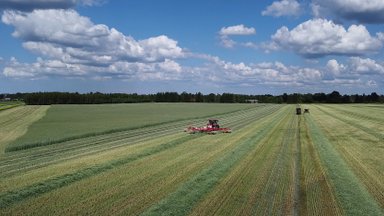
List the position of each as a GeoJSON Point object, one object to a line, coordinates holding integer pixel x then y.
{"type": "Point", "coordinates": [242, 46]}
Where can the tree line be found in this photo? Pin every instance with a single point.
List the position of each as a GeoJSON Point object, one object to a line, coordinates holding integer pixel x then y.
{"type": "Point", "coordinates": [46, 98]}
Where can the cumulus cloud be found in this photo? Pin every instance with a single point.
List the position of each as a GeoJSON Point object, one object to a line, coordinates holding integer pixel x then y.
{"type": "Point", "coordinates": [334, 67]}
{"type": "Point", "coordinates": [320, 37]}
{"type": "Point", "coordinates": [364, 11]}
{"type": "Point", "coordinates": [366, 66]}
{"type": "Point", "coordinates": [355, 71]}
{"type": "Point", "coordinates": [226, 32]}
{"type": "Point", "coordinates": [30, 5]}
{"type": "Point", "coordinates": [261, 74]}
{"type": "Point", "coordinates": [42, 68]}
{"type": "Point", "coordinates": [356, 68]}
{"type": "Point", "coordinates": [282, 8]}
{"type": "Point", "coordinates": [79, 45]}
{"type": "Point", "coordinates": [237, 30]}
{"type": "Point", "coordinates": [380, 36]}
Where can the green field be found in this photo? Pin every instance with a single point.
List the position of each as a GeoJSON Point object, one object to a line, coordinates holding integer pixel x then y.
{"type": "Point", "coordinates": [9, 104]}
{"type": "Point", "coordinates": [136, 160]}
{"type": "Point", "coordinates": [63, 122]}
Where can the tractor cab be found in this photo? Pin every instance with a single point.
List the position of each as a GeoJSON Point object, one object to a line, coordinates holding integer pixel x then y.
{"type": "Point", "coordinates": [213, 123]}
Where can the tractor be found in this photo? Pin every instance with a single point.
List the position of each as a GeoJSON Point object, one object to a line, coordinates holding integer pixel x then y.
{"type": "Point", "coordinates": [212, 127]}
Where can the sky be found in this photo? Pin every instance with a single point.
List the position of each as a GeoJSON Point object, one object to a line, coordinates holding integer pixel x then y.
{"type": "Point", "coordinates": [215, 46]}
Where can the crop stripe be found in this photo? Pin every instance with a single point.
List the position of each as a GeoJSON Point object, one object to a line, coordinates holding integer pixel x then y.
{"type": "Point", "coordinates": [187, 195]}
{"type": "Point", "coordinates": [11, 197]}
{"type": "Point", "coordinates": [351, 194]}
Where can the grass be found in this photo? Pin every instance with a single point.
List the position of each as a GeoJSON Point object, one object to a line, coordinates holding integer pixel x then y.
{"type": "Point", "coordinates": [317, 195]}
{"type": "Point", "coordinates": [68, 122]}
{"type": "Point", "coordinates": [360, 147]}
{"type": "Point", "coordinates": [170, 168]}
{"type": "Point", "coordinates": [11, 197]}
{"type": "Point", "coordinates": [246, 189]}
{"type": "Point", "coordinates": [4, 105]}
{"type": "Point", "coordinates": [19, 162]}
{"type": "Point", "coordinates": [15, 122]}
{"type": "Point", "coordinates": [328, 162]}
{"type": "Point", "coordinates": [183, 199]}
{"type": "Point", "coordinates": [353, 197]}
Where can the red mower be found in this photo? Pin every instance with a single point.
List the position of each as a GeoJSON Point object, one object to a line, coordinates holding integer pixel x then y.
{"type": "Point", "coordinates": [212, 127]}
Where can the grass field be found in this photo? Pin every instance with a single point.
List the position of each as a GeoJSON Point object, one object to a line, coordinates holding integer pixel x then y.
{"type": "Point", "coordinates": [63, 122]}
{"type": "Point", "coordinates": [4, 105]}
{"type": "Point", "coordinates": [328, 162]}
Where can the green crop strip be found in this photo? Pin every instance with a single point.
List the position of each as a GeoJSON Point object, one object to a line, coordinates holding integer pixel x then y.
{"type": "Point", "coordinates": [355, 114]}
{"type": "Point", "coordinates": [9, 105]}
{"type": "Point", "coordinates": [24, 146]}
{"type": "Point", "coordinates": [187, 195]}
{"type": "Point", "coordinates": [11, 197]}
{"type": "Point", "coordinates": [361, 127]}
{"type": "Point", "coordinates": [353, 197]}
{"type": "Point", "coordinates": [19, 161]}
{"type": "Point", "coordinates": [297, 174]}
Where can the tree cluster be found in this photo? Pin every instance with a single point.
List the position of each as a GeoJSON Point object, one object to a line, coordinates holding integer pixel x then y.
{"type": "Point", "coordinates": [45, 98]}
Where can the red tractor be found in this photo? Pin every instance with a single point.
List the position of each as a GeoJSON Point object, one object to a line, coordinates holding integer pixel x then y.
{"type": "Point", "coordinates": [212, 127]}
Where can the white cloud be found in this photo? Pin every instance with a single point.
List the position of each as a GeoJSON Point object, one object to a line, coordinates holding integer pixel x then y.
{"type": "Point", "coordinates": [91, 2]}
{"type": "Point", "coordinates": [366, 66]}
{"type": "Point", "coordinates": [237, 30]}
{"type": "Point", "coordinates": [320, 37]}
{"type": "Point", "coordinates": [355, 68]}
{"type": "Point", "coordinates": [160, 47]}
{"type": "Point", "coordinates": [334, 67]}
{"type": "Point", "coordinates": [261, 74]}
{"type": "Point", "coordinates": [250, 45]}
{"type": "Point", "coordinates": [166, 70]}
{"type": "Point", "coordinates": [282, 8]}
{"type": "Point", "coordinates": [73, 40]}
{"type": "Point", "coordinates": [364, 11]}
{"type": "Point", "coordinates": [353, 73]}
{"type": "Point", "coordinates": [226, 42]}
{"type": "Point", "coordinates": [170, 66]}
{"type": "Point", "coordinates": [226, 32]}
{"type": "Point", "coordinates": [371, 83]}
{"type": "Point", "coordinates": [344, 82]}
{"type": "Point", "coordinates": [380, 36]}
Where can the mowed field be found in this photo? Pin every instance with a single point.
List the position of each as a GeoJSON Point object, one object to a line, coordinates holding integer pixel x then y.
{"type": "Point", "coordinates": [135, 159]}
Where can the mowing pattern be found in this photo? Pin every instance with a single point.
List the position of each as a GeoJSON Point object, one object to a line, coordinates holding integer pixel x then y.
{"type": "Point", "coordinates": [9, 105]}
{"type": "Point", "coordinates": [15, 122]}
{"type": "Point", "coordinates": [328, 162]}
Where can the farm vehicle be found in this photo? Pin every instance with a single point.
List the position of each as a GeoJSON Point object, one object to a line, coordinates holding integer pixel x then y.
{"type": "Point", "coordinates": [212, 127]}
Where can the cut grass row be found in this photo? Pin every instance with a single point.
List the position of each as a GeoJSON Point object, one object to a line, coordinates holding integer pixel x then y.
{"type": "Point", "coordinates": [66, 122]}
{"type": "Point", "coordinates": [374, 127]}
{"type": "Point", "coordinates": [273, 163]}
{"type": "Point", "coordinates": [10, 197]}
{"type": "Point", "coordinates": [371, 113]}
{"type": "Point", "coordinates": [187, 195]}
{"type": "Point", "coordinates": [28, 162]}
{"type": "Point", "coordinates": [362, 151]}
{"type": "Point", "coordinates": [350, 193]}
{"type": "Point", "coordinates": [92, 145]}
{"type": "Point", "coordinates": [120, 190]}
{"type": "Point", "coordinates": [244, 191]}
{"type": "Point", "coordinates": [15, 122]}
{"type": "Point", "coordinates": [22, 145]}
{"type": "Point", "coordinates": [316, 194]}
{"type": "Point", "coordinates": [9, 105]}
